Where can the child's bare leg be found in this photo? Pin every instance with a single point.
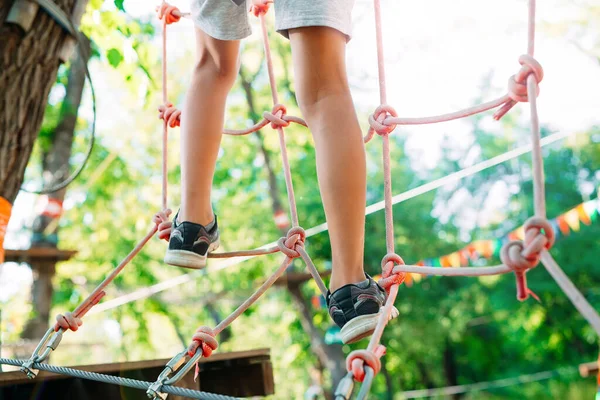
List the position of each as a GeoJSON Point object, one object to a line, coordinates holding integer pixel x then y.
{"type": "Point", "coordinates": [202, 123]}
{"type": "Point", "coordinates": [196, 233]}
{"type": "Point", "coordinates": [326, 103]}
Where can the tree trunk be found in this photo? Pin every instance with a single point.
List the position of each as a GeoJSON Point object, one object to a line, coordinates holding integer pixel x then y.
{"type": "Point", "coordinates": [450, 368]}
{"type": "Point", "coordinates": [29, 63]}
{"type": "Point", "coordinates": [55, 161]}
{"type": "Point", "coordinates": [389, 383]}
{"type": "Point", "coordinates": [330, 357]}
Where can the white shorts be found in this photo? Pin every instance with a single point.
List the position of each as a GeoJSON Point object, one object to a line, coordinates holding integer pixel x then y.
{"type": "Point", "coordinates": [224, 20]}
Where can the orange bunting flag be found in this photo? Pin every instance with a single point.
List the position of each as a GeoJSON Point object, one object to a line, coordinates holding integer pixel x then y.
{"type": "Point", "coordinates": [513, 236]}
{"type": "Point", "coordinates": [445, 262]}
{"type": "Point", "coordinates": [562, 225]}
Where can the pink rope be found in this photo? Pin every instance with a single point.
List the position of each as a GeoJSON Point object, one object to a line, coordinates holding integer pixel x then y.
{"type": "Point", "coordinates": [67, 321]}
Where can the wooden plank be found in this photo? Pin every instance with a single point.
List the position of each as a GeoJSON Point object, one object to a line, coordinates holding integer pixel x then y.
{"type": "Point", "coordinates": [39, 254]}
{"type": "Point", "coordinates": [244, 373]}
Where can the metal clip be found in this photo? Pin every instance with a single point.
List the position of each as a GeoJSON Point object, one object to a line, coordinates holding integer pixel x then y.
{"type": "Point", "coordinates": [27, 368]}
{"type": "Point", "coordinates": [173, 365]}
{"type": "Point", "coordinates": [50, 340]}
{"type": "Point", "coordinates": [345, 388]}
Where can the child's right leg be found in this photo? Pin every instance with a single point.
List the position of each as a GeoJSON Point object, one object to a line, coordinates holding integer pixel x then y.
{"type": "Point", "coordinates": [195, 231]}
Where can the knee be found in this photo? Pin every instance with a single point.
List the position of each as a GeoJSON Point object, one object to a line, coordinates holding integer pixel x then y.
{"type": "Point", "coordinates": [220, 69]}
{"type": "Point", "coordinates": [311, 97]}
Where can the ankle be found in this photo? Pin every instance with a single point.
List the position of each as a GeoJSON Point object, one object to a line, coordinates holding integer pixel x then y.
{"type": "Point", "coordinates": [203, 218]}
{"type": "Point", "coordinates": [346, 278]}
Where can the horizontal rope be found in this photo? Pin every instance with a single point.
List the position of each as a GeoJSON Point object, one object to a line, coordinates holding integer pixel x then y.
{"type": "Point", "coordinates": [470, 271]}
{"type": "Point", "coordinates": [117, 380]}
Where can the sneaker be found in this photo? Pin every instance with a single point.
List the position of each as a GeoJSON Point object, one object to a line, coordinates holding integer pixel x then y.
{"type": "Point", "coordinates": [356, 308]}
{"type": "Point", "coordinates": [190, 243]}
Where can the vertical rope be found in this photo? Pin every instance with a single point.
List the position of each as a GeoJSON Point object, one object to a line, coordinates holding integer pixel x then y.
{"type": "Point", "coordinates": [536, 155]}
{"type": "Point", "coordinates": [282, 143]}
{"type": "Point", "coordinates": [165, 122]}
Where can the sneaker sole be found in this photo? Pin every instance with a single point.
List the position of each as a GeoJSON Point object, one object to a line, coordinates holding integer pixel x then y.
{"type": "Point", "coordinates": [189, 259]}
{"type": "Point", "coordinates": [363, 326]}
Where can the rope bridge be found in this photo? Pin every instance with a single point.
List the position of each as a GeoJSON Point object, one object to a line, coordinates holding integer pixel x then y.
{"type": "Point", "coordinates": [517, 256]}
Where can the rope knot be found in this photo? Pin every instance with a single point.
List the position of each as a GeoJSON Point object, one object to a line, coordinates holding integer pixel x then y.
{"type": "Point", "coordinates": [295, 238]}
{"type": "Point", "coordinates": [169, 12]}
{"type": "Point", "coordinates": [377, 120]}
{"type": "Point", "coordinates": [277, 116]}
{"type": "Point", "coordinates": [517, 84]}
{"type": "Point", "coordinates": [521, 256]}
{"type": "Point", "coordinates": [356, 360]}
{"type": "Point", "coordinates": [170, 114]}
{"type": "Point", "coordinates": [204, 337]}
{"type": "Point", "coordinates": [388, 276]}
{"type": "Point", "coordinates": [260, 7]}
{"type": "Point", "coordinates": [539, 235]}
{"type": "Point", "coordinates": [67, 321]}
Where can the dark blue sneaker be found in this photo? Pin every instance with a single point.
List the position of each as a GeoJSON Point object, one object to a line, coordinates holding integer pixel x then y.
{"type": "Point", "coordinates": [190, 244]}
{"type": "Point", "coordinates": [355, 308]}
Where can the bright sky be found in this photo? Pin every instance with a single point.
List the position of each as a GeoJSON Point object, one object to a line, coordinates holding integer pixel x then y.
{"type": "Point", "coordinates": [438, 54]}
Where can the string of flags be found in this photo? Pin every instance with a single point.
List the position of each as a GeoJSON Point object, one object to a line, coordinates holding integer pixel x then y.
{"type": "Point", "coordinates": [478, 251]}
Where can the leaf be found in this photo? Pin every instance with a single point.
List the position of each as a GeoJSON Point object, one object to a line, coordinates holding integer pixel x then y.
{"type": "Point", "coordinates": [119, 5]}
{"type": "Point", "coordinates": [114, 57]}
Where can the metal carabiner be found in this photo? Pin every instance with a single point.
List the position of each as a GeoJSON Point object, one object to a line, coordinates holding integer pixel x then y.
{"type": "Point", "coordinates": [345, 388]}
{"type": "Point", "coordinates": [164, 378]}
{"type": "Point", "coordinates": [51, 340]}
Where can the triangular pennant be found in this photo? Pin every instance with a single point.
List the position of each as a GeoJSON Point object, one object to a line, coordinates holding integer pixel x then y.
{"type": "Point", "coordinates": [464, 258]}
{"type": "Point", "coordinates": [562, 225]}
{"type": "Point", "coordinates": [583, 216]}
{"type": "Point", "coordinates": [555, 227]}
{"type": "Point", "coordinates": [572, 218]}
{"type": "Point", "coordinates": [454, 260]}
{"type": "Point", "coordinates": [590, 208]}
{"type": "Point", "coordinates": [445, 261]}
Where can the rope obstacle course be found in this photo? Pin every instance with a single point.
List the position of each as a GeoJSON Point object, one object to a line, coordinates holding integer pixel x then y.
{"type": "Point", "coordinates": [362, 365]}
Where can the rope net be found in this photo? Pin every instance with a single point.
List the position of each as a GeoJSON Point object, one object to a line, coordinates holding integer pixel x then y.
{"type": "Point", "coordinates": [362, 365]}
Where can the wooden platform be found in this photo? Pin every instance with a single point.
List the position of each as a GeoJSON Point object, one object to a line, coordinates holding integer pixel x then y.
{"type": "Point", "coordinates": [241, 374]}
{"type": "Point", "coordinates": [38, 254]}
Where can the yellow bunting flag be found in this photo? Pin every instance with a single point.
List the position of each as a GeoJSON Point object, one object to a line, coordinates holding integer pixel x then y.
{"type": "Point", "coordinates": [572, 218]}
{"type": "Point", "coordinates": [454, 260]}
{"type": "Point", "coordinates": [583, 216]}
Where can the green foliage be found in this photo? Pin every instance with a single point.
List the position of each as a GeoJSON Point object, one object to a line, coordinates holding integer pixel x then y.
{"type": "Point", "coordinates": [114, 57]}
{"type": "Point", "coordinates": [119, 4]}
